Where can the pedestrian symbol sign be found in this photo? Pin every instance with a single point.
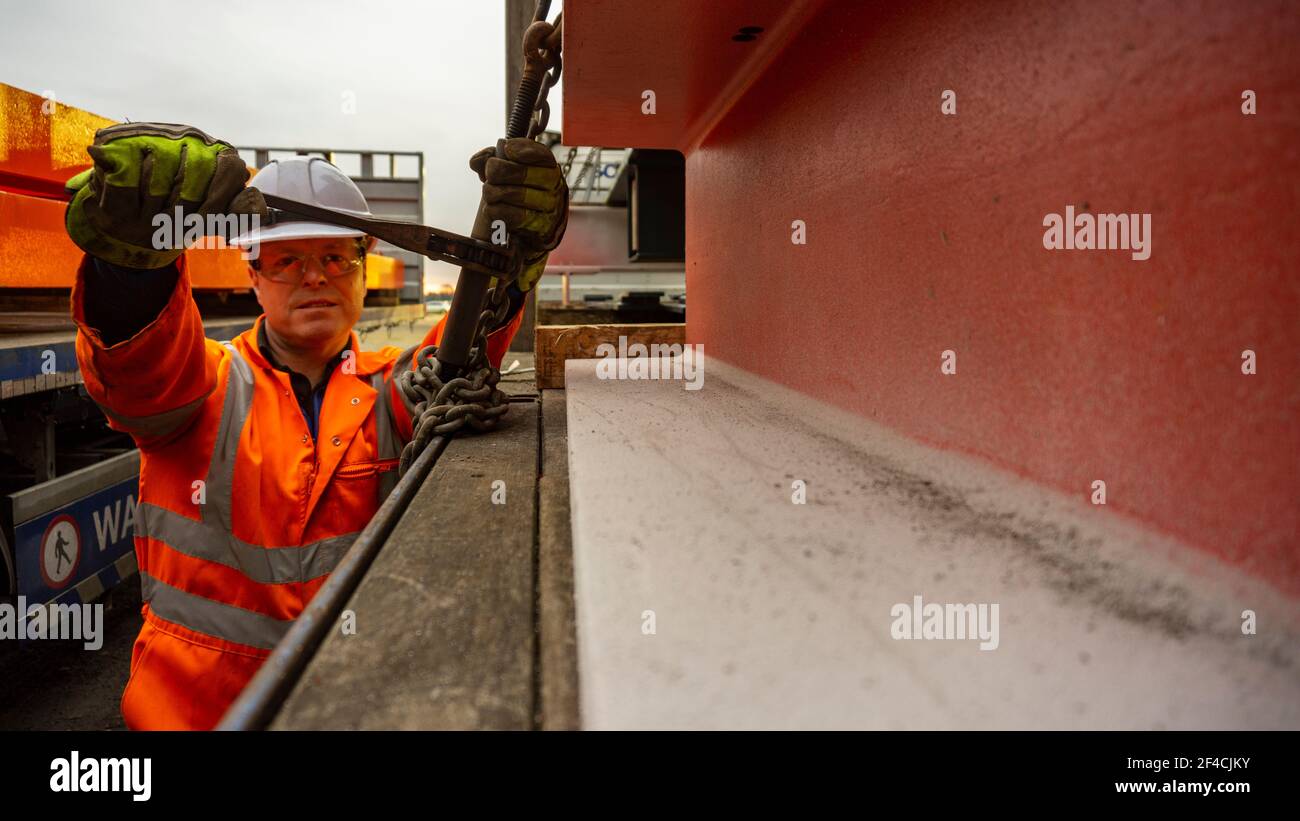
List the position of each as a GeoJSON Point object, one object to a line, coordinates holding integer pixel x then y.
{"type": "Point", "coordinates": [60, 551]}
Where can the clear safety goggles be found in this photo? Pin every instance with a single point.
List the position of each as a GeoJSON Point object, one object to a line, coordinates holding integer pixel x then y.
{"type": "Point", "coordinates": [279, 267]}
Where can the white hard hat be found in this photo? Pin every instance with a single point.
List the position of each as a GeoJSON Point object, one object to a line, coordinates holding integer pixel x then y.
{"type": "Point", "coordinates": [312, 180]}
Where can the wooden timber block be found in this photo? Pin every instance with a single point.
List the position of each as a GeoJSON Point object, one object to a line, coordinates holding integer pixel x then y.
{"type": "Point", "coordinates": [556, 344]}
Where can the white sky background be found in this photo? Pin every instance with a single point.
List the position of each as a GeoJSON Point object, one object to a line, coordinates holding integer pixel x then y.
{"type": "Point", "coordinates": [428, 76]}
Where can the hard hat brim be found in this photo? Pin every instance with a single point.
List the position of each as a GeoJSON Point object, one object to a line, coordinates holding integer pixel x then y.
{"type": "Point", "coordinates": [293, 230]}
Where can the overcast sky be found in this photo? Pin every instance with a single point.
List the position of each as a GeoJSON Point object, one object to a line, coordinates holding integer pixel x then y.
{"type": "Point", "coordinates": [428, 75]}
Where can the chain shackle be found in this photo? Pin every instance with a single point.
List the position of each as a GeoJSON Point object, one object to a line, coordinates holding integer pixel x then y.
{"type": "Point", "coordinates": [541, 52]}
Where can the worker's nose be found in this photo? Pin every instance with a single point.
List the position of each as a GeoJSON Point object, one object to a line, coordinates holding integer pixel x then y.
{"type": "Point", "coordinates": [313, 274]}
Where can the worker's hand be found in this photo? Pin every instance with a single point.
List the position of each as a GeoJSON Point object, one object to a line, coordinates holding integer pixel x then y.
{"type": "Point", "coordinates": [526, 190]}
{"type": "Point", "coordinates": [142, 170]}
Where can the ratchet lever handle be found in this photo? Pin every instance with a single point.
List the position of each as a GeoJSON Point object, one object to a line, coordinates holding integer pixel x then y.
{"type": "Point", "coordinates": [470, 253]}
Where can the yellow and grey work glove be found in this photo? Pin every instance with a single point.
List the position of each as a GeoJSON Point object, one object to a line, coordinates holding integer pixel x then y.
{"type": "Point", "coordinates": [145, 169]}
{"type": "Point", "coordinates": [525, 190]}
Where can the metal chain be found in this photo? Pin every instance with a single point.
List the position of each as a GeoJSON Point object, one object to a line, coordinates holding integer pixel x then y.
{"type": "Point", "coordinates": [472, 398]}
{"type": "Point", "coordinates": [588, 163]}
{"type": "Point", "coordinates": [541, 108]}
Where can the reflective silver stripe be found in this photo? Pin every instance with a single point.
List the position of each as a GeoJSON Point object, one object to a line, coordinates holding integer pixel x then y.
{"type": "Point", "coordinates": [157, 424]}
{"type": "Point", "coordinates": [402, 364]}
{"type": "Point", "coordinates": [266, 565]}
{"type": "Point", "coordinates": [221, 471]}
{"type": "Point", "coordinates": [212, 618]}
{"type": "Point", "coordinates": [385, 432]}
{"type": "Point", "coordinates": [212, 539]}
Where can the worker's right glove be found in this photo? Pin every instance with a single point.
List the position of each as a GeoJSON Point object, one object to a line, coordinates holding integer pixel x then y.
{"type": "Point", "coordinates": [145, 169]}
{"type": "Point", "coordinates": [526, 190]}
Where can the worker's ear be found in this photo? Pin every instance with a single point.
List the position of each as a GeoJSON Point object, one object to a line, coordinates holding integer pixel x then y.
{"type": "Point", "coordinates": [252, 280]}
{"type": "Point", "coordinates": [371, 242]}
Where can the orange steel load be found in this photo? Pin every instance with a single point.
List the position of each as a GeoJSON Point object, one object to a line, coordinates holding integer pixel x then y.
{"type": "Point", "coordinates": [43, 144]}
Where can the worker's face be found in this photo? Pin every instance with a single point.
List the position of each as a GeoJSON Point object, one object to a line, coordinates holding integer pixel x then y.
{"type": "Point", "coordinates": [310, 296]}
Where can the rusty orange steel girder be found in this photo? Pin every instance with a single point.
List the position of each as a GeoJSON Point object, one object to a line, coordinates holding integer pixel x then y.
{"type": "Point", "coordinates": [43, 143]}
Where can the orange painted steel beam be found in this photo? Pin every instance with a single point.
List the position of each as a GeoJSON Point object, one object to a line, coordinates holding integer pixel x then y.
{"type": "Point", "coordinates": [42, 144]}
{"type": "Point", "coordinates": [926, 230]}
{"type": "Point", "coordinates": [615, 52]}
{"type": "Point", "coordinates": [35, 252]}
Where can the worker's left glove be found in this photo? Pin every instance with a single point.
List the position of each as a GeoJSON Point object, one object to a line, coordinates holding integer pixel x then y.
{"type": "Point", "coordinates": [525, 190]}
{"type": "Point", "coordinates": [143, 171]}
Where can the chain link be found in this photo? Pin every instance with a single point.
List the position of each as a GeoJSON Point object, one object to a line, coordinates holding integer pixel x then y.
{"type": "Point", "coordinates": [541, 108]}
{"type": "Point", "coordinates": [472, 399]}
{"type": "Point", "coordinates": [582, 172]}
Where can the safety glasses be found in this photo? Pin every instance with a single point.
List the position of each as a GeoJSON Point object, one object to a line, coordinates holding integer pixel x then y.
{"type": "Point", "coordinates": [279, 267]}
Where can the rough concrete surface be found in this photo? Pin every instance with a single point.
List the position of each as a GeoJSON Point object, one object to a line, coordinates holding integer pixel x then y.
{"type": "Point", "coordinates": [769, 613]}
{"type": "Point", "coordinates": [557, 641]}
{"type": "Point", "coordinates": [444, 633]}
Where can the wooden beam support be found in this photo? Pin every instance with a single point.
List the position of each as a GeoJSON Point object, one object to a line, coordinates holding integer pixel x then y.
{"type": "Point", "coordinates": [556, 344]}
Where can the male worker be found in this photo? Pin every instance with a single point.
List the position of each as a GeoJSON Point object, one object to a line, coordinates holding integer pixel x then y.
{"type": "Point", "coordinates": [261, 458]}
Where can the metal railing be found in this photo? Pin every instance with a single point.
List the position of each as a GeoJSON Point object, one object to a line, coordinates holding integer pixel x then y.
{"type": "Point", "coordinates": [339, 157]}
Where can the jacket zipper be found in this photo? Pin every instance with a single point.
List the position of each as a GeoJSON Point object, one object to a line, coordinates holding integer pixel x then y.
{"type": "Point", "coordinates": [367, 469]}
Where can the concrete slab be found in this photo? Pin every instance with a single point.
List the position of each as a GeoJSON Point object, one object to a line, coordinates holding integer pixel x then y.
{"type": "Point", "coordinates": [772, 614]}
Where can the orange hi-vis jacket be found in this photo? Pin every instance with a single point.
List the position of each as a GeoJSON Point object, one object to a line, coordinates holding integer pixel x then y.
{"type": "Point", "coordinates": [241, 515]}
